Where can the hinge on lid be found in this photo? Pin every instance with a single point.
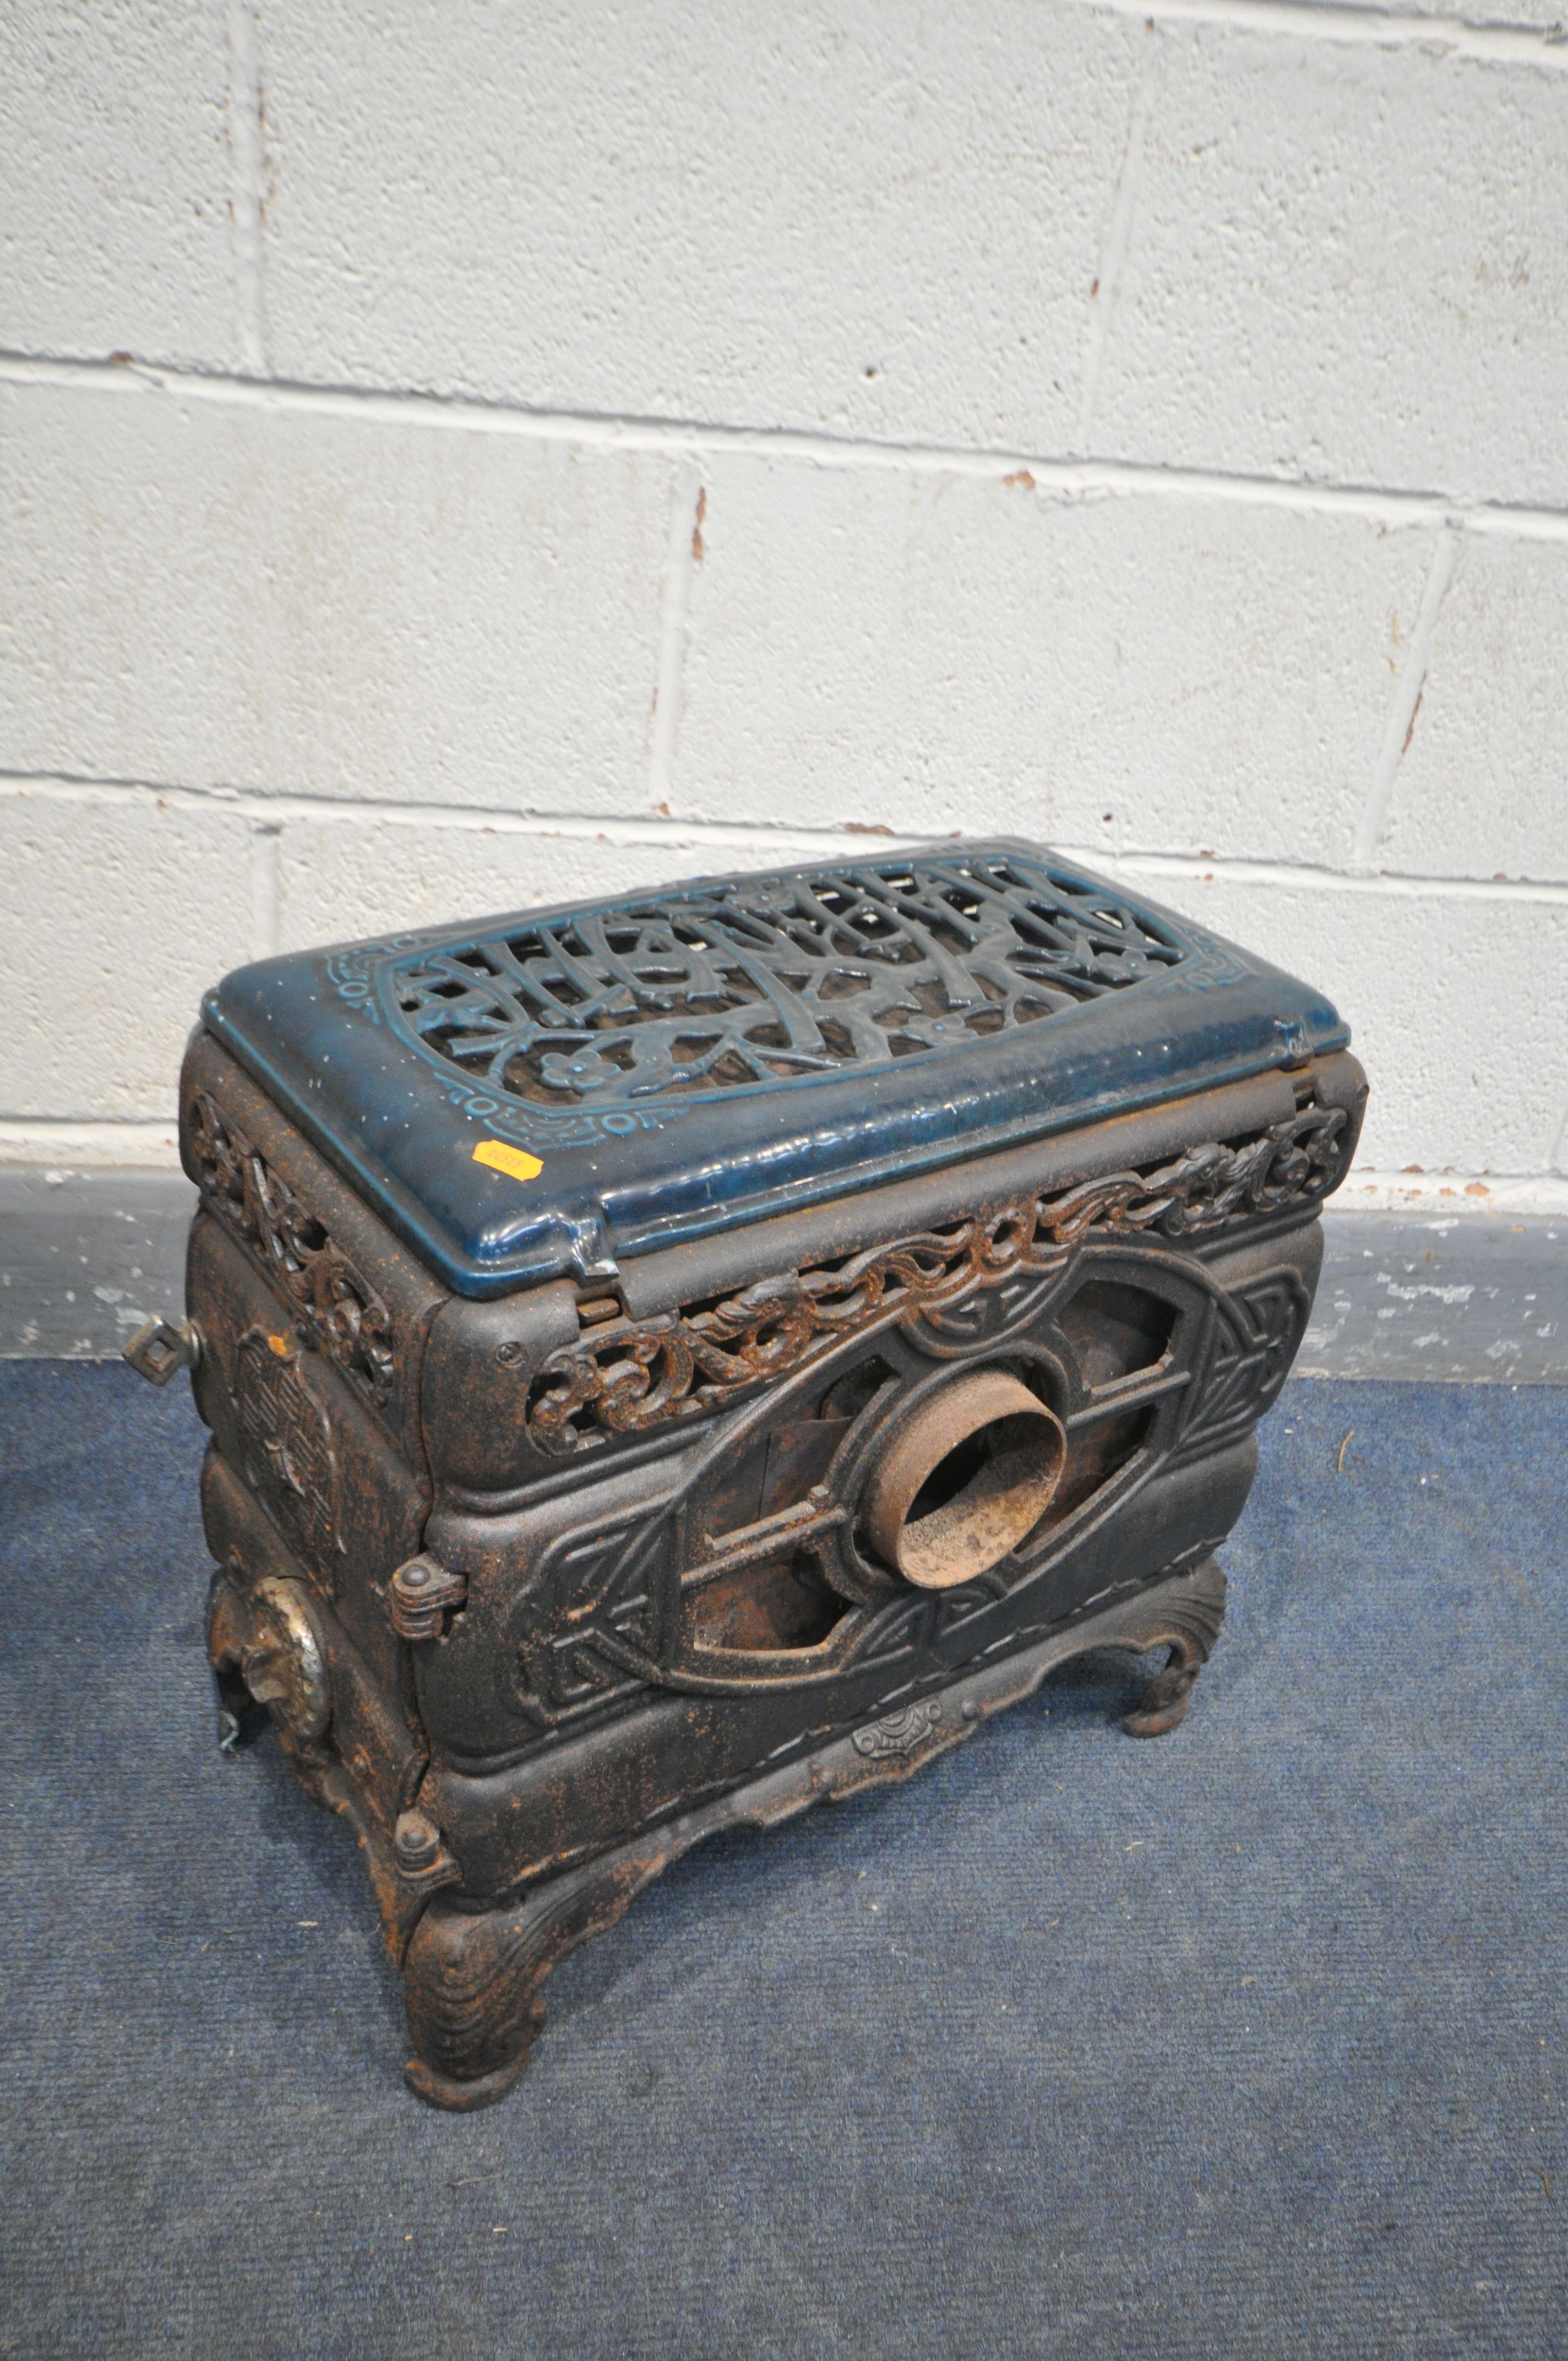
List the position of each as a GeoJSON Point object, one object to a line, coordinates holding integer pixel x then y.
{"type": "Point", "coordinates": [588, 1254]}
{"type": "Point", "coordinates": [423, 1593]}
{"type": "Point", "coordinates": [423, 1859]}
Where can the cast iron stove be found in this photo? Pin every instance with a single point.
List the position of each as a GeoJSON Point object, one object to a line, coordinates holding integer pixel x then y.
{"type": "Point", "coordinates": [673, 1361]}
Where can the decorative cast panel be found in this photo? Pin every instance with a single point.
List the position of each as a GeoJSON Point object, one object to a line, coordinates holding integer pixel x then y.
{"type": "Point", "coordinates": [767, 979]}
{"type": "Point", "coordinates": [618, 1605]}
{"type": "Point", "coordinates": [287, 1442]}
{"type": "Point", "coordinates": [628, 1376]}
{"type": "Point", "coordinates": [338, 1310]}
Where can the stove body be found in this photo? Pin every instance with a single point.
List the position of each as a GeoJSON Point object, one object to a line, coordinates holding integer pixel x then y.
{"type": "Point", "coordinates": [673, 1363]}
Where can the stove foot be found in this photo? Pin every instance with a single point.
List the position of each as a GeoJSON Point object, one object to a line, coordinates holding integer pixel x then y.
{"type": "Point", "coordinates": [1188, 1627]}
{"type": "Point", "coordinates": [472, 1977]}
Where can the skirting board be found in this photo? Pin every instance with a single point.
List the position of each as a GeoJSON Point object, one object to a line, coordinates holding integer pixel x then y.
{"type": "Point", "coordinates": [86, 1257]}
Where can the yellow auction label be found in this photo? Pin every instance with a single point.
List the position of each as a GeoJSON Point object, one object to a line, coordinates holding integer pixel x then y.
{"type": "Point", "coordinates": [502, 1159]}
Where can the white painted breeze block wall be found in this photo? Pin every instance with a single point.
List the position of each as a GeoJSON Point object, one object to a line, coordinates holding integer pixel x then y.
{"type": "Point", "coordinates": [486, 453]}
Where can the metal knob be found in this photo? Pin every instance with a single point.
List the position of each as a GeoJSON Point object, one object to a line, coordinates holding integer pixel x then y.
{"type": "Point", "coordinates": [160, 1350]}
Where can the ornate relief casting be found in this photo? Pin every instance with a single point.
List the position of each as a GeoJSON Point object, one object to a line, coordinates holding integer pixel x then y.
{"type": "Point", "coordinates": [288, 1449]}
{"type": "Point", "coordinates": [899, 1733]}
{"type": "Point", "coordinates": [761, 980]}
{"type": "Point", "coordinates": [632, 1374]}
{"type": "Point", "coordinates": [338, 1310]}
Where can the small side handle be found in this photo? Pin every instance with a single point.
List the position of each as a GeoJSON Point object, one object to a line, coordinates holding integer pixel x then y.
{"type": "Point", "coordinates": [160, 1348]}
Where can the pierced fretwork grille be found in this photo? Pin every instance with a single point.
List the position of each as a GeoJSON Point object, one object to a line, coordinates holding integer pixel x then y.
{"type": "Point", "coordinates": [754, 982]}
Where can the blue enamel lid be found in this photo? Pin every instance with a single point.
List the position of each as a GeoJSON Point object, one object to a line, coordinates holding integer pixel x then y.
{"type": "Point", "coordinates": [543, 1093]}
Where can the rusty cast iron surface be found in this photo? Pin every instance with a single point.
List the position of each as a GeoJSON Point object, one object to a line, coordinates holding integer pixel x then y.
{"type": "Point", "coordinates": [691, 1505]}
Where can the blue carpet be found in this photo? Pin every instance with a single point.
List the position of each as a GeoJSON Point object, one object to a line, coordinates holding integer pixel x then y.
{"type": "Point", "coordinates": [1248, 2041]}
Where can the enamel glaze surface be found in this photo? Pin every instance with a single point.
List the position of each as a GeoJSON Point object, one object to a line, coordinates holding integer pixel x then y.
{"type": "Point", "coordinates": [546, 1092]}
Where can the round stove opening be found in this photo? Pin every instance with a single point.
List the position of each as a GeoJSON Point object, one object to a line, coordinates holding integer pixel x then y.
{"type": "Point", "coordinates": [964, 1481]}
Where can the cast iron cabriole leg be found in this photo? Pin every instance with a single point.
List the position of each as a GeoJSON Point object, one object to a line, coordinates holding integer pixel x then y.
{"type": "Point", "coordinates": [473, 1974]}
{"type": "Point", "coordinates": [1187, 1620]}
{"type": "Point", "coordinates": [472, 1977]}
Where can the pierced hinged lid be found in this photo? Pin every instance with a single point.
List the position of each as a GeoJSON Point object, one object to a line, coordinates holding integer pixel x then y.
{"type": "Point", "coordinates": [549, 1092]}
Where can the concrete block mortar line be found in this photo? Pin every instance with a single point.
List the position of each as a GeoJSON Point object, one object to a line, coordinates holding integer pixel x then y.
{"type": "Point", "coordinates": [1545, 49]}
{"type": "Point", "coordinates": [271, 812]}
{"type": "Point", "coordinates": [1301, 877]}
{"type": "Point", "coordinates": [1560, 1148]}
{"type": "Point", "coordinates": [266, 888]}
{"type": "Point", "coordinates": [1404, 704]}
{"type": "Point", "coordinates": [248, 193]}
{"type": "Point", "coordinates": [1059, 474]}
{"type": "Point", "coordinates": [688, 502]}
{"type": "Point", "coordinates": [1114, 254]}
